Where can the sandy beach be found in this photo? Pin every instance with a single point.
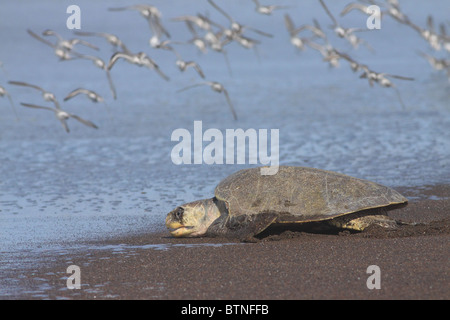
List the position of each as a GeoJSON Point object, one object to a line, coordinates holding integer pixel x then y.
{"type": "Point", "coordinates": [413, 261]}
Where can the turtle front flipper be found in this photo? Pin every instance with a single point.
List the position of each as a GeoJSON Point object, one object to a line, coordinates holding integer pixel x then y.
{"type": "Point", "coordinates": [243, 227]}
{"type": "Point", "coordinates": [361, 222]}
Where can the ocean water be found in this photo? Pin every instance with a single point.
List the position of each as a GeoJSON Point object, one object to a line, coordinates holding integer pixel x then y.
{"type": "Point", "coordinates": [59, 189]}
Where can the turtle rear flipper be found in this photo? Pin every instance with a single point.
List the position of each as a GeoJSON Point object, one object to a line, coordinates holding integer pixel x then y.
{"type": "Point", "coordinates": [361, 222]}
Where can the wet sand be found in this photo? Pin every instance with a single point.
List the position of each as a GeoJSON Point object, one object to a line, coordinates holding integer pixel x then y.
{"type": "Point", "coordinates": [413, 262]}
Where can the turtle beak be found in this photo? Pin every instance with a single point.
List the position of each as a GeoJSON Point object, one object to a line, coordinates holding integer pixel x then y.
{"type": "Point", "coordinates": [176, 228]}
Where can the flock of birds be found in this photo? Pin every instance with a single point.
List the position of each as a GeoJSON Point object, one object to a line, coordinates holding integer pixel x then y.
{"type": "Point", "coordinates": [210, 35]}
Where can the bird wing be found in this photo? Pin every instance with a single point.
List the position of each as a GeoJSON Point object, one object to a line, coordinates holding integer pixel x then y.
{"type": "Point", "coordinates": [6, 93]}
{"type": "Point", "coordinates": [85, 56]}
{"type": "Point", "coordinates": [399, 77]}
{"type": "Point", "coordinates": [221, 10]}
{"type": "Point", "coordinates": [64, 124]}
{"type": "Point", "coordinates": [328, 12]}
{"type": "Point", "coordinates": [158, 70]}
{"type": "Point", "coordinates": [225, 92]}
{"type": "Point", "coordinates": [24, 84]}
{"type": "Point", "coordinates": [49, 32]}
{"type": "Point", "coordinates": [85, 43]}
{"type": "Point", "coordinates": [289, 24]}
{"type": "Point", "coordinates": [317, 31]}
{"type": "Point", "coordinates": [197, 68]}
{"type": "Point", "coordinates": [157, 27]}
{"type": "Point", "coordinates": [317, 47]}
{"type": "Point", "coordinates": [74, 93]}
{"type": "Point", "coordinates": [34, 35]}
{"type": "Point", "coordinates": [344, 56]}
{"type": "Point", "coordinates": [351, 30]}
{"type": "Point", "coordinates": [412, 25]}
{"type": "Point", "coordinates": [193, 86]}
{"type": "Point", "coordinates": [353, 6]}
{"type": "Point", "coordinates": [83, 121]}
{"type": "Point", "coordinates": [12, 105]}
{"type": "Point", "coordinates": [56, 103]}
{"type": "Point", "coordinates": [262, 33]}
{"type": "Point", "coordinates": [29, 105]}
{"type": "Point", "coordinates": [111, 84]}
{"type": "Point", "coordinates": [191, 28]}
{"type": "Point", "coordinates": [116, 56]}
{"type": "Point", "coordinates": [86, 33]}
{"type": "Point", "coordinates": [430, 23]}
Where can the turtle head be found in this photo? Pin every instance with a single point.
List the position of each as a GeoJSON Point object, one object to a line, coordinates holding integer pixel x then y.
{"type": "Point", "coordinates": [192, 219]}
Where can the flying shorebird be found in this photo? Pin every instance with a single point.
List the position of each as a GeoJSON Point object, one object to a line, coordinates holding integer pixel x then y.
{"type": "Point", "coordinates": [246, 42]}
{"type": "Point", "coordinates": [215, 42]}
{"type": "Point", "coordinates": [4, 93]}
{"type": "Point", "coordinates": [267, 9]}
{"type": "Point", "coordinates": [62, 116]}
{"type": "Point", "coordinates": [438, 64]}
{"type": "Point", "coordinates": [240, 39]}
{"type": "Point", "coordinates": [99, 63]}
{"type": "Point", "coordinates": [345, 33]}
{"type": "Point", "coordinates": [328, 53]}
{"type": "Point", "coordinates": [380, 77]}
{"type": "Point", "coordinates": [445, 38]}
{"type": "Point", "coordinates": [140, 59]}
{"type": "Point", "coordinates": [111, 38]}
{"type": "Point", "coordinates": [68, 44]}
{"type": "Point", "coordinates": [92, 95]}
{"type": "Point", "coordinates": [48, 96]}
{"type": "Point", "coordinates": [315, 29]}
{"type": "Point", "coordinates": [429, 34]}
{"type": "Point", "coordinates": [200, 21]}
{"type": "Point", "coordinates": [234, 33]}
{"type": "Point", "coordinates": [383, 80]}
{"type": "Point", "coordinates": [150, 13]}
{"type": "Point", "coordinates": [217, 87]}
{"type": "Point", "coordinates": [235, 27]}
{"type": "Point", "coordinates": [213, 39]}
{"type": "Point", "coordinates": [361, 7]}
{"type": "Point", "coordinates": [155, 42]}
{"type": "Point", "coordinates": [297, 41]}
{"type": "Point", "coordinates": [393, 10]}
{"type": "Point", "coordinates": [183, 65]}
{"type": "Point", "coordinates": [60, 52]}
{"type": "Point", "coordinates": [354, 65]}
{"type": "Point", "coordinates": [196, 40]}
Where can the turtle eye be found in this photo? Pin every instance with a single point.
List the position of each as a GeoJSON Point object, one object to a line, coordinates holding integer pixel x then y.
{"type": "Point", "coordinates": [179, 213]}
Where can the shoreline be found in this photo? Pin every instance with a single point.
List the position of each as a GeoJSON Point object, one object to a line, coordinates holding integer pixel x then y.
{"type": "Point", "coordinates": [290, 265]}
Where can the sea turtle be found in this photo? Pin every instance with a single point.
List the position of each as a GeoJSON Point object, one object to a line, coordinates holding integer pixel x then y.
{"type": "Point", "coordinates": [246, 203]}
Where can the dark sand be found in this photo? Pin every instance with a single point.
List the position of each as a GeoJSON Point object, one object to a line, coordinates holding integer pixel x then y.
{"type": "Point", "coordinates": [414, 263]}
